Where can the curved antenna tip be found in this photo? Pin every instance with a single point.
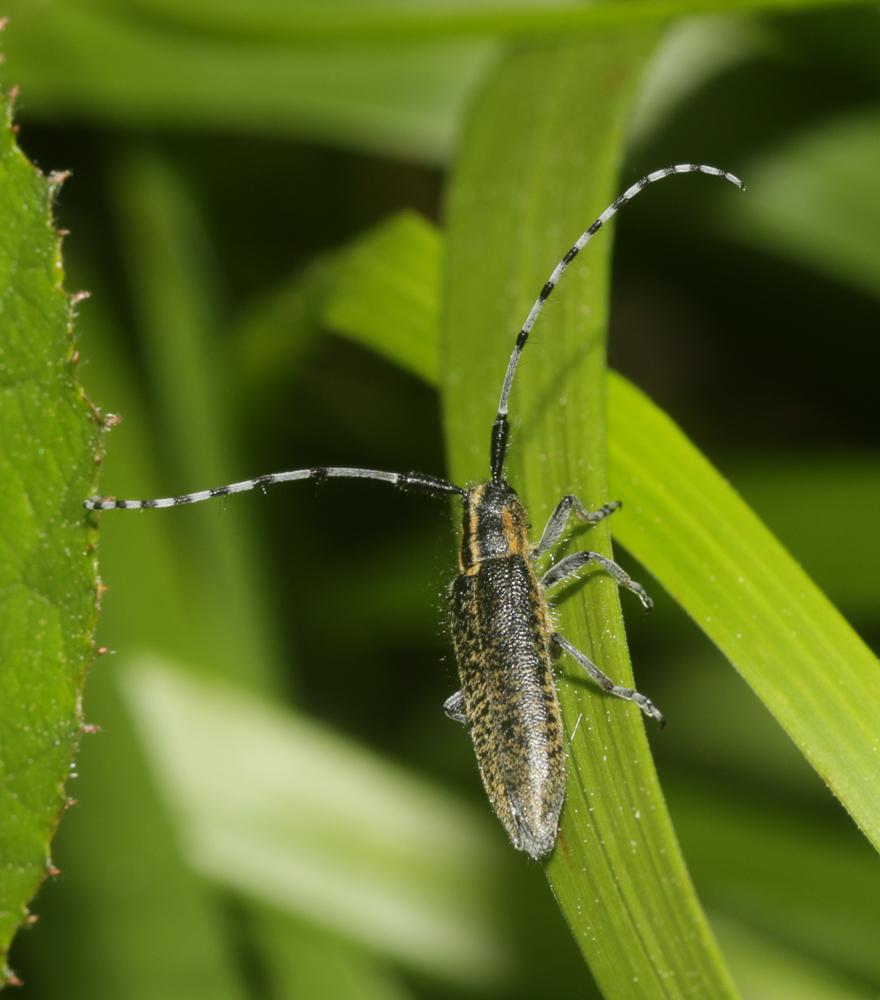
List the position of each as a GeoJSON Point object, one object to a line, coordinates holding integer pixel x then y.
{"type": "Point", "coordinates": [499, 429]}
{"type": "Point", "coordinates": [728, 176]}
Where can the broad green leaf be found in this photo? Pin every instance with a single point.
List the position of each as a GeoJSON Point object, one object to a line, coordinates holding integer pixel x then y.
{"type": "Point", "coordinates": [694, 52]}
{"type": "Point", "coordinates": [48, 584]}
{"type": "Point", "coordinates": [617, 871]}
{"type": "Point", "coordinates": [800, 192]}
{"type": "Point", "coordinates": [376, 20]}
{"type": "Point", "coordinates": [689, 528]}
{"type": "Point", "coordinates": [76, 60]}
{"type": "Point", "coordinates": [318, 827]}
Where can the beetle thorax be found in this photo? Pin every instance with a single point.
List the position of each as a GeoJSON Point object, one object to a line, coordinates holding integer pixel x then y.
{"type": "Point", "coordinates": [494, 525]}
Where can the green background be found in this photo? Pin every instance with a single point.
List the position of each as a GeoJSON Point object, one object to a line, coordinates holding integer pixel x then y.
{"type": "Point", "coordinates": [276, 805]}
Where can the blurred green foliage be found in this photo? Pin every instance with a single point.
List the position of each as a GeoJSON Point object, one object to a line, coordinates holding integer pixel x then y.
{"type": "Point", "coordinates": [219, 181]}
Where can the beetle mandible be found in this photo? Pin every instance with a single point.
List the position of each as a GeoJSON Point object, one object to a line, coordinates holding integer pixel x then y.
{"type": "Point", "coordinates": [502, 627]}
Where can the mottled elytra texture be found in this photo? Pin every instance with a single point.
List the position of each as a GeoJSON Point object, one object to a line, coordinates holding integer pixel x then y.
{"type": "Point", "coordinates": [502, 634]}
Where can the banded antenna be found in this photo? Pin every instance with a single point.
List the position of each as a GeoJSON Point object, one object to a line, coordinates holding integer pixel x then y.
{"type": "Point", "coordinates": [417, 481]}
{"type": "Point", "coordinates": [501, 427]}
{"type": "Point", "coordinates": [406, 481]}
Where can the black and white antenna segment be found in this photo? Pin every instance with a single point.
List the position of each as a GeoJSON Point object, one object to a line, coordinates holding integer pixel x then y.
{"type": "Point", "coordinates": [414, 481]}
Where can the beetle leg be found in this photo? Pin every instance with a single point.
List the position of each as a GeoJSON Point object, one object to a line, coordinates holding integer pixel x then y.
{"type": "Point", "coordinates": [454, 708]}
{"type": "Point", "coordinates": [605, 682]}
{"type": "Point", "coordinates": [570, 566]}
{"type": "Point", "coordinates": [567, 506]}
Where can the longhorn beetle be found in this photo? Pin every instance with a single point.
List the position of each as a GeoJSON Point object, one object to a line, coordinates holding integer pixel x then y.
{"type": "Point", "coordinates": [502, 626]}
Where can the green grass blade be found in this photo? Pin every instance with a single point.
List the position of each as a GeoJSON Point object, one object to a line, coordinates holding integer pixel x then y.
{"type": "Point", "coordinates": [541, 151]}
{"type": "Point", "coordinates": [385, 292]}
{"type": "Point", "coordinates": [716, 558]}
{"type": "Point", "coordinates": [47, 566]}
{"type": "Point", "coordinates": [179, 307]}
